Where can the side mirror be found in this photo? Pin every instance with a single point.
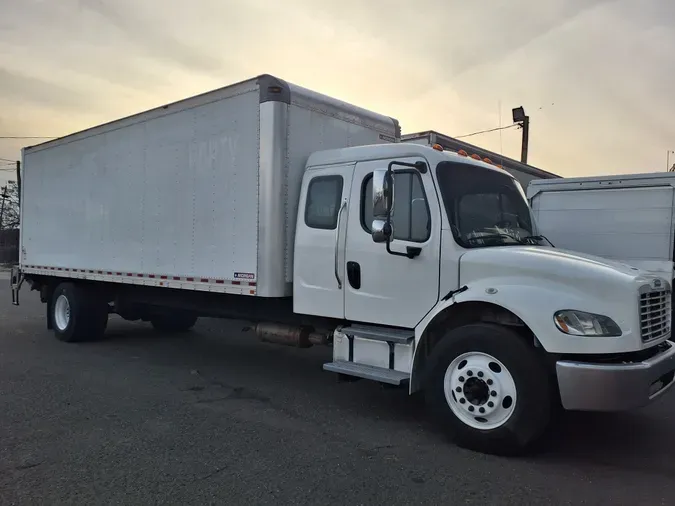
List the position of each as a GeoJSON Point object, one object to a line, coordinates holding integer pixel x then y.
{"type": "Point", "coordinates": [383, 193]}
{"type": "Point", "coordinates": [381, 230]}
{"type": "Point", "coordinates": [383, 203]}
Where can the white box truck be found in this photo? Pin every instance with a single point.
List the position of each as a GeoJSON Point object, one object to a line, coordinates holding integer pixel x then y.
{"type": "Point", "coordinates": [628, 217]}
{"type": "Point", "coordinates": [268, 202]}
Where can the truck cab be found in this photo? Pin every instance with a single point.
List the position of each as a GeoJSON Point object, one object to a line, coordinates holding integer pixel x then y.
{"type": "Point", "coordinates": [433, 263]}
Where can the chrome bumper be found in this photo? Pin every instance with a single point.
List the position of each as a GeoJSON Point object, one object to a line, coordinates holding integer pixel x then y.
{"type": "Point", "coordinates": [587, 386]}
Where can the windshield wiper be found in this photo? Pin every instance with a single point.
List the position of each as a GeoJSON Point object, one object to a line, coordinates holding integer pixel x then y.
{"type": "Point", "coordinates": [537, 238]}
{"type": "Point", "coordinates": [494, 236]}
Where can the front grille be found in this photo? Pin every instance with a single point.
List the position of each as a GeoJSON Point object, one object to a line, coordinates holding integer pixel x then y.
{"type": "Point", "coordinates": [655, 313]}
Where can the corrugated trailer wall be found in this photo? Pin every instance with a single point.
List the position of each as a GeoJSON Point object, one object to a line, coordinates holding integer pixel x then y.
{"type": "Point", "coordinates": [151, 197]}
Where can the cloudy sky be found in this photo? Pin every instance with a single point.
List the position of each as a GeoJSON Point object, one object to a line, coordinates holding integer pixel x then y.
{"type": "Point", "coordinates": [595, 76]}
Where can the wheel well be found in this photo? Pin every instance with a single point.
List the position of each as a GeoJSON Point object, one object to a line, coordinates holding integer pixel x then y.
{"type": "Point", "coordinates": [47, 284]}
{"type": "Point", "coordinates": [459, 315]}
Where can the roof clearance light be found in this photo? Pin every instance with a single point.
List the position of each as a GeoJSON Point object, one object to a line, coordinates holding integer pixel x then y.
{"type": "Point", "coordinates": [487, 160]}
{"type": "Point", "coordinates": [437, 147]}
{"type": "Point", "coordinates": [461, 152]}
{"type": "Point", "coordinates": [475, 157]}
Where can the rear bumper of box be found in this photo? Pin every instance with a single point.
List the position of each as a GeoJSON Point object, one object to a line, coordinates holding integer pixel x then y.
{"type": "Point", "coordinates": [587, 386]}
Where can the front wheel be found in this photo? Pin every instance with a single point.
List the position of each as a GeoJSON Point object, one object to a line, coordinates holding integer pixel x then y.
{"type": "Point", "coordinates": [489, 389]}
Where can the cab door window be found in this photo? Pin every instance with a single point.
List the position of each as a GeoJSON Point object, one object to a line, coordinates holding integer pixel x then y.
{"type": "Point", "coordinates": [411, 219]}
{"type": "Point", "coordinates": [323, 202]}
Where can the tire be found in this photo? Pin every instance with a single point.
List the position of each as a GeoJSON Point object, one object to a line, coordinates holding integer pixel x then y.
{"type": "Point", "coordinates": [478, 367]}
{"type": "Point", "coordinates": [173, 323]}
{"type": "Point", "coordinates": [77, 314]}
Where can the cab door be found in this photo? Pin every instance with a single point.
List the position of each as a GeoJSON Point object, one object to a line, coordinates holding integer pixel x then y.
{"type": "Point", "coordinates": [321, 230]}
{"type": "Point", "coordinates": [380, 287]}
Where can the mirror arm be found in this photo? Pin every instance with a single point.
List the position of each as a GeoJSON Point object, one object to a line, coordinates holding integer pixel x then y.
{"type": "Point", "coordinates": [411, 251]}
{"type": "Point", "coordinates": [419, 166]}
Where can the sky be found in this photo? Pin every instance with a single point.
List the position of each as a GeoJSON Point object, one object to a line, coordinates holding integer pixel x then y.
{"type": "Point", "coordinates": [595, 76]}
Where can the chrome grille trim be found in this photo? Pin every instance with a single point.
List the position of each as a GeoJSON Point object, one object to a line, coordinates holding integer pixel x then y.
{"type": "Point", "coordinates": [655, 309]}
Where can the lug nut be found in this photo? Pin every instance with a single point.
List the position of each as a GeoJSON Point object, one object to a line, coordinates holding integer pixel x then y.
{"type": "Point", "coordinates": [493, 393]}
{"type": "Point", "coordinates": [469, 373]}
{"type": "Point", "coordinates": [471, 408]}
{"type": "Point", "coordinates": [480, 374]}
{"type": "Point", "coordinates": [482, 410]}
{"type": "Point", "coordinates": [461, 379]}
{"type": "Point", "coordinates": [458, 389]}
{"type": "Point", "coordinates": [491, 404]}
{"type": "Point", "coordinates": [462, 400]}
{"type": "Point", "coordinates": [489, 382]}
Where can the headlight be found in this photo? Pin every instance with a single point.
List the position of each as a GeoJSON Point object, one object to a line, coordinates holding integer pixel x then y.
{"type": "Point", "coordinates": [578, 323]}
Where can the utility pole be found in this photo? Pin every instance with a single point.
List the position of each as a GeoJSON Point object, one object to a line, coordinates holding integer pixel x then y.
{"type": "Point", "coordinates": [18, 181]}
{"type": "Point", "coordinates": [523, 120]}
{"type": "Point", "coordinates": [668, 167]}
{"type": "Point", "coordinates": [2, 204]}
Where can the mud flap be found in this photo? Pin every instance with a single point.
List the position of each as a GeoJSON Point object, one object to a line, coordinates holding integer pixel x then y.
{"type": "Point", "coordinates": [16, 280]}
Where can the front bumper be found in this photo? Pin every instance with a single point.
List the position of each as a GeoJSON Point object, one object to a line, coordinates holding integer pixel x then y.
{"type": "Point", "coordinates": [586, 386]}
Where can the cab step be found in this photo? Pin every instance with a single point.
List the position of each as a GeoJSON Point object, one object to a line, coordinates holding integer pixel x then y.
{"type": "Point", "coordinates": [389, 376]}
{"type": "Point", "coordinates": [387, 334]}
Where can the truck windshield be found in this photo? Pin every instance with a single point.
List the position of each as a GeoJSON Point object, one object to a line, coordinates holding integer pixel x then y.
{"type": "Point", "coordinates": [485, 207]}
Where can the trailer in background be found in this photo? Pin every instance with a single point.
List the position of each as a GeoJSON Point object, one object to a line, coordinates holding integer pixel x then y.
{"type": "Point", "coordinates": [522, 172]}
{"type": "Point", "coordinates": [628, 217]}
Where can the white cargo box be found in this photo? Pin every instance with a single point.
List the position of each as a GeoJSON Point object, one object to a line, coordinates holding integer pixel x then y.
{"type": "Point", "coordinates": [625, 217]}
{"type": "Point", "coordinates": [200, 194]}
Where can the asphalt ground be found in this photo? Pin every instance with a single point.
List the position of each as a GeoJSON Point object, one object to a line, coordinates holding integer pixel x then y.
{"type": "Point", "coordinates": [216, 417]}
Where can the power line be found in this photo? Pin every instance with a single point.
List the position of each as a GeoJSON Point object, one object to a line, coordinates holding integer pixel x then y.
{"type": "Point", "coordinates": [486, 131]}
{"type": "Point", "coordinates": [7, 160]}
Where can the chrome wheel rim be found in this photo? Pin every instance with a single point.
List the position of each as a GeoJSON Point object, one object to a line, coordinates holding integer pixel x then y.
{"type": "Point", "coordinates": [480, 390]}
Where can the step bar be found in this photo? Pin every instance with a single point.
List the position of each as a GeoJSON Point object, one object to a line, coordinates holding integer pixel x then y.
{"type": "Point", "coordinates": [389, 335]}
{"type": "Point", "coordinates": [389, 376]}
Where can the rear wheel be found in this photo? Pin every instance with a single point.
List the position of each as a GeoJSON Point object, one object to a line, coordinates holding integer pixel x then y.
{"type": "Point", "coordinates": [174, 322]}
{"type": "Point", "coordinates": [77, 313]}
{"type": "Point", "coordinates": [489, 389]}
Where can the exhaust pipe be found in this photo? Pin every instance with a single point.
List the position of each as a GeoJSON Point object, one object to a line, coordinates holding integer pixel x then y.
{"type": "Point", "coordinates": [289, 335]}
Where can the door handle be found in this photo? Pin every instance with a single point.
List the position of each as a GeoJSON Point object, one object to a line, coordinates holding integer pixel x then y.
{"type": "Point", "coordinates": [354, 274]}
{"type": "Point", "coordinates": [337, 244]}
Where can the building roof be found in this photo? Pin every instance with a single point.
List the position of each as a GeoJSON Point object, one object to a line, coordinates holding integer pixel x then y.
{"type": "Point", "coordinates": [456, 145]}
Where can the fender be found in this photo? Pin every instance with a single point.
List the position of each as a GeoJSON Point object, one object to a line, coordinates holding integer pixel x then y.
{"type": "Point", "coordinates": [534, 301]}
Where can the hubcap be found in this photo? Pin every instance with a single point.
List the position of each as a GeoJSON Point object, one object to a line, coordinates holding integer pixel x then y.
{"type": "Point", "coordinates": [480, 390]}
{"type": "Point", "coordinates": [62, 312]}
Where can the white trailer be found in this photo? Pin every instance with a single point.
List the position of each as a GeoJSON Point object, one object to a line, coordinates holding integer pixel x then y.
{"type": "Point", "coordinates": [628, 217]}
{"type": "Point", "coordinates": [420, 267]}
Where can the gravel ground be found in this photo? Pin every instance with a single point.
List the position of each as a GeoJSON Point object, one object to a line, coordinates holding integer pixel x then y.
{"type": "Point", "coordinates": [215, 417]}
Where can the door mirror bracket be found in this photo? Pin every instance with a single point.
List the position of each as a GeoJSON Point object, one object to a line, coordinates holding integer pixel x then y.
{"type": "Point", "coordinates": [383, 205]}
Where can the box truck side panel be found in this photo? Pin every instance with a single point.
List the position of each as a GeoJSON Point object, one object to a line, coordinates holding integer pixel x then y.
{"type": "Point", "coordinates": [628, 224]}
{"type": "Point", "coordinates": [170, 195]}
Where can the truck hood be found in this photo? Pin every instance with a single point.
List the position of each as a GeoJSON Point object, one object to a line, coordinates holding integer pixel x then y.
{"type": "Point", "coordinates": [586, 273]}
